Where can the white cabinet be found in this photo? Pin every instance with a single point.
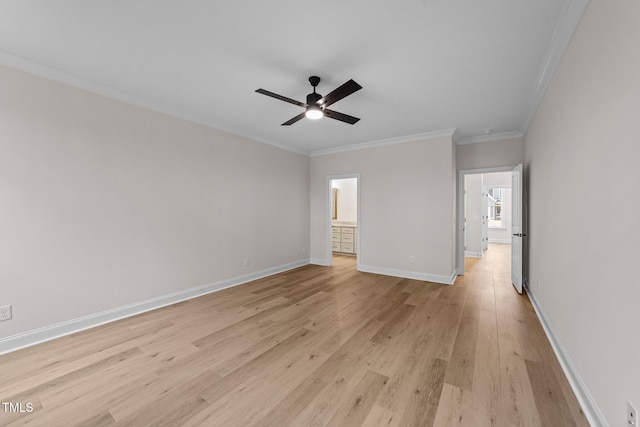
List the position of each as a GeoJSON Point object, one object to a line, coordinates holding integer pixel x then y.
{"type": "Point", "coordinates": [347, 248]}
{"type": "Point", "coordinates": [343, 239]}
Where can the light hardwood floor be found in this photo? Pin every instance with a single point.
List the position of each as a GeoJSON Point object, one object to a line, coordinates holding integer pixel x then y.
{"type": "Point", "coordinates": [313, 346]}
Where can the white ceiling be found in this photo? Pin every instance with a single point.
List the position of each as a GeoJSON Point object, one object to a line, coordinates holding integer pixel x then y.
{"type": "Point", "coordinates": [425, 65]}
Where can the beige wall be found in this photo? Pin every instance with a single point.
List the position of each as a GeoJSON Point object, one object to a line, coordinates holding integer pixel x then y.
{"type": "Point", "coordinates": [347, 199]}
{"type": "Point", "coordinates": [490, 154]}
{"type": "Point", "coordinates": [406, 207]}
{"type": "Point", "coordinates": [104, 204]}
{"type": "Point", "coordinates": [582, 152]}
{"type": "Point", "coordinates": [485, 155]}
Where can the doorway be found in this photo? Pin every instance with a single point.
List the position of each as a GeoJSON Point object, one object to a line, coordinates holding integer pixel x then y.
{"type": "Point", "coordinates": [343, 218]}
{"type": "Point", "coordinates": [485, 212]}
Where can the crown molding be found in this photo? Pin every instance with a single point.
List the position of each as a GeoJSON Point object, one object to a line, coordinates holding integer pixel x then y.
{"type": "Point", "coordinates": [80, 83]}
{"type": "Point", "coordinates": [489, 138]}
{"type": "Point", "coordinates": [76, 82]}
{"type": "Point", "coordinates": [456, 136]}
{"type": "Point", "coordinates": [565, 27]}
{"type": "Point", "coordinates": [390, 141]}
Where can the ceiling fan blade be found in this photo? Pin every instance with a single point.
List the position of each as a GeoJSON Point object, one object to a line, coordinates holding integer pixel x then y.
{"type": "Point", "coordinates": [295, 119]}
{"type": "Point", "coordinates": [345, 90]}
{"type": "Point", "coordinates": [339, 116]}
{"type": "Point", "coordinates": [281, 98]}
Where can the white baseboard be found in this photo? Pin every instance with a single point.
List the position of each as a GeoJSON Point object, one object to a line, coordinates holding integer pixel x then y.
{"type": "Point", "coordinates": [47, 333]}
{"type": "Point", "coordinates": [588, 405]}
{"type": "Point", "coordinates": [454, 276]}
{"type": "Point", "coordinates": [469, 254]}
{"type": "Point", "coordinates": [446, 280]}
{"type": "Point", "coordinates": [491, 240]}
{"type": "Point", "coordinates": [320, 261]}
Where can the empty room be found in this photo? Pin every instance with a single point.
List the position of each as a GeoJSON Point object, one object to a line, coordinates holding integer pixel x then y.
{"type": "Point", "coordinates": [286, 213]}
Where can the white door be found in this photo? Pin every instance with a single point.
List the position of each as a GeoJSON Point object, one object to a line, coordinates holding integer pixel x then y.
{"type": "Point", "coordinates": [516, 228]}
{"type": "Point", "coordinates": [485, 220]}
{"type": "Point", "coordinates": [473, 216]}
{"type": "Point", "coordinates": [464, 226]}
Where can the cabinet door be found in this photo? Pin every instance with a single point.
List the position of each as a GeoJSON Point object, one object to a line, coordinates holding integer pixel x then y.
{"type": "Point", "coordinates": [347, 248]}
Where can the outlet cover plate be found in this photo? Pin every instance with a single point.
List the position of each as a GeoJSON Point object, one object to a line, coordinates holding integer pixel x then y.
{"type": "Point", "coordinates": [5, 313]}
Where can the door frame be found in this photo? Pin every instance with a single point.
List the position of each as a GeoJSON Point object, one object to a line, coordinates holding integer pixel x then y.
{"type": "Point", "coordinates": [461, 174]}
{"type": "Point", "coordinates": [484, 233]}
{"type": "Point", "coordinates": [329, 251]}
{"type": "Point", "coordinates": [517, 244]}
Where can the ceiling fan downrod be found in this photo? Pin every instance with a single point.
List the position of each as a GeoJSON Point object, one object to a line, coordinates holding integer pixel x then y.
{"type": "Point", "coordinates": [314, 97]}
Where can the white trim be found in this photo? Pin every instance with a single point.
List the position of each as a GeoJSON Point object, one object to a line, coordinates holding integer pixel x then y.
{"type": "Point", "coordinates": [50, 73]}
{"type": "Point", "coordinates": [492, 240]}
{"type": "Point", "coordinates": [435, 278]}
{"type": "Point", "coordinates": [47, 333]}
{"type": "Point", "coordinates": [456, 136]}
{"type": "Point", "coordinates": [320, 261]}
{"type": "Point", "coordinates": [566, 26]}
{"type": "Point", "coordinates": [453, 277]}
{"type": "Point", "coordinates": [486, 170]}
{"type": "Point", "coordinates": [461, 175]}
{"type": "Point", "coordinates": [383, 142]}
{"type": "Point", "coordinates": [588, 405]}
{"type": "Point", "coordinates": [329, 251]}
{"type": "Point", "coordinates": [489, 138]}
{"type": "Point", "coordinates": [469, 254]}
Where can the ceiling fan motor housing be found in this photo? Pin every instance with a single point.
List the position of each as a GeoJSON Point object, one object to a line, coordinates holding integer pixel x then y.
{"type": "Point", "coordinates": [313, 98]}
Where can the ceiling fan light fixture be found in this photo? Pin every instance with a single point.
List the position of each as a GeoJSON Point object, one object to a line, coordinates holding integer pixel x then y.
{"type": "Point", "coordinates": [313, 112]}
{"type": "Point", "coordinates": [316, 106]}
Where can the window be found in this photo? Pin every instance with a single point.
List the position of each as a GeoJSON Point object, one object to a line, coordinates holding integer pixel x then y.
{"type": "Point", "coordinates": [496, 199]}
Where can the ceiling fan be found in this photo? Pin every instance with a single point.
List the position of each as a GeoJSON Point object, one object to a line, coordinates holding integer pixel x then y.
{"type": "Point", "coordinates": [316, 106]}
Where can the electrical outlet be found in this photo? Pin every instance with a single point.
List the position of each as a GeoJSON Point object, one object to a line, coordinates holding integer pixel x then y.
{"type": "Point", "coordinates": [246, 261]}
{"type": "Point", "coordinates": [5, 312]}
{"type": "Point", "coordinates": [631, 415]}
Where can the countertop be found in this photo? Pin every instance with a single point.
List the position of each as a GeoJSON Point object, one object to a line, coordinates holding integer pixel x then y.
{"type": "Point", "coordinates": [344, 224]}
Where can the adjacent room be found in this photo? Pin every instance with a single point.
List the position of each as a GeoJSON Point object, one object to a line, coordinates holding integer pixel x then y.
{"type": "Point", "coordinates": [294, 214]}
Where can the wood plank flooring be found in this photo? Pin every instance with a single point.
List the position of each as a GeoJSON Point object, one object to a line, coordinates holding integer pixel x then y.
{"type": "Point", "coordinates": [314, 346]}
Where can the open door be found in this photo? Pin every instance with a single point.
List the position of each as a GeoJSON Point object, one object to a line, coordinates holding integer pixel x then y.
{"type": "Point", "coordinates": [516, 228]}
{"type": "Point", "coordinates": [485, 220]}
